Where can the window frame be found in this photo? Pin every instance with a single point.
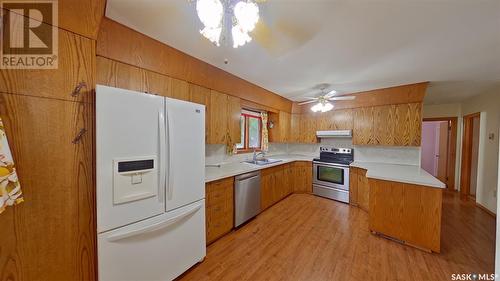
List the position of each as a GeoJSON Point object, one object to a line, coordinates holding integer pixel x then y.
{"type": "Point", "coordinates": [245, 141]}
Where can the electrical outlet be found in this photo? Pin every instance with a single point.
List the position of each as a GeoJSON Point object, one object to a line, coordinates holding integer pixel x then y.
{"type": "Point", "coordinates": [491, 136]}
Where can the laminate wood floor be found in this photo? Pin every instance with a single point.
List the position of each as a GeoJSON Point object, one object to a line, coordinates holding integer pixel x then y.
{"type": "Point", "coordinates": [305, 237]}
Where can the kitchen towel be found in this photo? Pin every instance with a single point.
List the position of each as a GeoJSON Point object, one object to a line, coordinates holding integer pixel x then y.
{"type": "Point", "coordinates": [10, 189]}
{"type": "Point", "coordinates": [265, 134]}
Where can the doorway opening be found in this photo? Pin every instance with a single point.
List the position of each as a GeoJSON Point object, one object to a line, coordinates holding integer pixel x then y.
{"type": "Point", "coordinates": [470, 152]}
{"type": "Point", "coordinates": [439, 146]}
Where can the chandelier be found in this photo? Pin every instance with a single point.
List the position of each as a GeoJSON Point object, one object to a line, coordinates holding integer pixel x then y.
{"type": "Point", "coordinates": [217, 16]}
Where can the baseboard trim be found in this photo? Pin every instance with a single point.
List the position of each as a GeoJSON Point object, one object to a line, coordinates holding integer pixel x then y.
{"type": "Point", "coordinates": [486, 210]}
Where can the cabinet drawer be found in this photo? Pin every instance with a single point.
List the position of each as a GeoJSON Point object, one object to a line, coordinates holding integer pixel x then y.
{"type": "Point", "coordinates": [219, 221]}
{"type": "Point", "coordinates": [76, 64]}
{"type": "Point", "coordinates": [219, 194]}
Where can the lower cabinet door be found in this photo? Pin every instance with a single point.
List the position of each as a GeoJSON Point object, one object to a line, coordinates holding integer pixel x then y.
{"type": "Point", "coordinates": [219, 208]}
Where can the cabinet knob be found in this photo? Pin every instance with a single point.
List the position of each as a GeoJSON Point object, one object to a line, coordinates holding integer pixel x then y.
{"type": "Point", "coordinates": [79, 136]}
{"type": "Point", "coordinates": [78, 89]}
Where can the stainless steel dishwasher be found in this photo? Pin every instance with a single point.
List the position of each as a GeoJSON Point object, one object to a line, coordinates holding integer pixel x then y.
{"type": "Point", "coordinates": [246, 197]}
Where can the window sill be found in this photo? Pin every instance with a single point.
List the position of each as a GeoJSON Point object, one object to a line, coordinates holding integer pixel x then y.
{"type": "Point", "coordinates": [243, 151]}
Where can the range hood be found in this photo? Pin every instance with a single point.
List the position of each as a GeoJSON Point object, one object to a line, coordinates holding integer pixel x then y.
{"type": "Point", "coordinates": [334, 134]}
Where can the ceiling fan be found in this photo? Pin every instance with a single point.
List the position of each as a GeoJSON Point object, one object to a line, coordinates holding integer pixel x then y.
{"type": "Point", "coordinates": [323, 102]}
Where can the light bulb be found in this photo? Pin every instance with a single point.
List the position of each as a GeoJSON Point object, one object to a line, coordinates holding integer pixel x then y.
{"type": "Point", "coordinates": [210, 12]}
{"type": "Point", "coordinates": [327, 107]}
{"type": "Point", "coordinates": [212, 34]}
{"type": "Point", "coordinates": [247, 15]}
{"type": "Point", "coordinates": [240, 37]}
{"type": "Point", "coordinates": [317, 107]}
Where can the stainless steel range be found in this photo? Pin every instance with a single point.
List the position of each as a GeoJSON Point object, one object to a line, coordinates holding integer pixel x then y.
{"type": "Point", "coordinates": [331, 173]}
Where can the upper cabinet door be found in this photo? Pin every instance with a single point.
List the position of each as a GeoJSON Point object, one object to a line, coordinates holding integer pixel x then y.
{"type": "Point", "coordinates": [408, 124]}
{"type": "Point", "coordinates": [129, 132]}
{"type": "Point", "coordinates": [73, 80]}
{"type": "Point", "coordinates": [186, 153]}
{"type": "Point", "coordinates": [363, 126]}
{"type": "Point", "coordinates": [234, 111]}
{"type": "Point", "coordinates": [383, 125]}
{"type": "Point", "coordinates": [218, 115]}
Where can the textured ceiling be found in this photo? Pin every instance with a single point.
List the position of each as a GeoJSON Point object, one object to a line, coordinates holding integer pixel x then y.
{"type": "Point", "coordinates": [349, 45]}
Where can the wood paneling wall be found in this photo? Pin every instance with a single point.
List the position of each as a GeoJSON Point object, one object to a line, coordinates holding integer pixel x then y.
{"type": "Point", "coordinates": [52, 234]}
{"type": "Point", "coordinates": [411, 93]}
{"type": "Point", "coordinates": [120, 43]}
{"type": "Point", "coordinates": [81, 17]}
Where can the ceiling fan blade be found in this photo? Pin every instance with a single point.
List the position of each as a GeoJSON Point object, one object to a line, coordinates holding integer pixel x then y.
{"type": "Point", "coordinates": [342, 98]}
{"type": "Point", "coordinates": [306, 102]}
{"type": "Point", "coordinates": [330, 94]}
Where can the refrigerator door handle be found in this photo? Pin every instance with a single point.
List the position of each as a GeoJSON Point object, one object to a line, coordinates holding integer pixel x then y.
{"type": "Point", "coordinates": [155, 226]}
{"type": "Point", "coordinates": [161, 186]}
{"type": "Point", "coordinates": [170, 189]}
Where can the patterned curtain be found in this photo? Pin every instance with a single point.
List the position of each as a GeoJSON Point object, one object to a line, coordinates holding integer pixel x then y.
{"type": "Point", "coordinates": [10, 189]}
{"type": "Point", "coordinates": [265, 133]}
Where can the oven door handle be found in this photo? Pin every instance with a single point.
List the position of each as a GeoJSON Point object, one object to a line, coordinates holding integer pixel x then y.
{"type": "Point", "coordinates": [316, 163]}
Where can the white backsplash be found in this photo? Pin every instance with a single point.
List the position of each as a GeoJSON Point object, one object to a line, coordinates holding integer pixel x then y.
{"type": "Point", "coordinates": [216, 153]}
{"type": "Point", "coordinates": [392, 155]}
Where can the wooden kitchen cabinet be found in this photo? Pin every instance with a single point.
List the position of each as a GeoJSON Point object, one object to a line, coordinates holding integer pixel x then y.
{"type": "Point", "coordinates": [410, 213]}
{"type": "Point", "coordinates": [353, 186]}
{"type": "Point", "coordinates": [276, 184]}
{"type": "Point", "coordinates": [408, 124]}
{"type": "Point", "coordinates": [218, 118]}
{"type": "Point", "coordinates": [224, 119]}
{"type": "Point", "coordinates": [281, 130]}
{"type": "Point", "coordinates": [390, 125]}
{"type": "Point", "coordinates": [201, 95]}
{"type": "Point", "coordinates": [341, 119]}
{"type": "Point", "coordinates": [80, 17]}
{"type": "Point", "coordinates": [294, 128]}
{"type": "Point", "coordinates": [234, 123]}
{"type": "Point", "coordinates": [363, 190]}
{"type": "Point", "coordinates": [119, 75]}
{"type": "Point", "coordinates": [288, 179]}
{"type": "Point", "coordinates": [383, 125]}
{"type": "Point", "coordinates": [363, 126]}
{"type": "Point", "coordinates": [302, 176]}
{"type": "Point", "coordinates": [76, 66]}
{"type": "Point", "coordinates": [55, 225]}
{"type": "Point", "coordinates": [179, 89]}
{"type": "Point", "coordinates": [219, 208]}
{"type": "Point", "coordinates": [307, 128]}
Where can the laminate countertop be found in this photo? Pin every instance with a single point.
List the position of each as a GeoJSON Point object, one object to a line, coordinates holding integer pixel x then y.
{"type": "Point", "coordinates": [232, 169]}
{"type": "Point", "coordinates": [411, 174]}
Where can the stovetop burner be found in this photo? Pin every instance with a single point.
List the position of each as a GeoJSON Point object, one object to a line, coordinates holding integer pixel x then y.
{"type": "Point", "coordinates": [344, 156]}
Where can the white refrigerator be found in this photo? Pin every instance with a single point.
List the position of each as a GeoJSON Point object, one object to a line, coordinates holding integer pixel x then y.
{"type": "Point", "coordinates": [150, 172]}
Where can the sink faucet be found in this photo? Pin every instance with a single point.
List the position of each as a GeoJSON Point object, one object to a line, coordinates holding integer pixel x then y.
{"type": "Point", "coordinates": [256, 154]}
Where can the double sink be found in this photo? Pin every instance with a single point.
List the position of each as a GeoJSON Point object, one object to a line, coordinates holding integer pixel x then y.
{"type": "Point", "coordinates": [263, 161]}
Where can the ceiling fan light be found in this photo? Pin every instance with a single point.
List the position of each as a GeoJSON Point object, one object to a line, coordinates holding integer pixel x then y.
{"type": "Point", "coordinates": [327, 107]}
{"type": "Point", "coordinates": [246, 14]}
{"type": "Point", "coordinates": [317, 107]}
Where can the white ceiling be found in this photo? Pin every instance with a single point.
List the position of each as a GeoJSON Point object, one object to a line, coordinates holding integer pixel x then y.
{"type": "Point", "coordinates": [350, 45]}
